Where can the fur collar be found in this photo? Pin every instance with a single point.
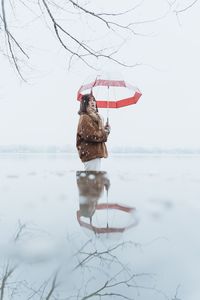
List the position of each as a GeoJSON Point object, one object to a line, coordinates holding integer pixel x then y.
{"type": "Point", "coordinates": [96, 117]}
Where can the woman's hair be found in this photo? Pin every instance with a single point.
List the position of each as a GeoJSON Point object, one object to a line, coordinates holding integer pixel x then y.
{"type": "Point", "coordinates": [84, 103]}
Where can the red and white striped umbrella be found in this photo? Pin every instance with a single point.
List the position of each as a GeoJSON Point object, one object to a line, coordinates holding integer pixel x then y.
{"type": "Point", "coordinates": [110, 93]}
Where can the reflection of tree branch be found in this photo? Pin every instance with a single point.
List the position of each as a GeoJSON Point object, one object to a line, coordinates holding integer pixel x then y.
{"type": "Point", "coordinates": [39, 292]}
{"type": "Point", "coordinates": [111, 280]}
{"type": "Point", "coordinates": [102, 291]}
{"type": "Point", "coordinates": [53, 286]}
{"type": "Point", "coordinates": [124, 277]}
{"type": "Point", "coordinates": [98, 293]}
{"type": "Point", "coordinates": [176, 293]}
{"type": "Point", "coordinates": [36, 292]}
{"type": "Point", "coordinates": [100, 254]}
{"type": "Point", "coordinates": [8, 272]}
{"type": "Point", "coordinates": [19, 232]}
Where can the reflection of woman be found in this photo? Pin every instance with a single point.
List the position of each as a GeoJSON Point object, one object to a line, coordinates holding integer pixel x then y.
{"type": "Point", "coordinates": [91, 187]}
{"type": "Point", "coordinates": [91, 134]}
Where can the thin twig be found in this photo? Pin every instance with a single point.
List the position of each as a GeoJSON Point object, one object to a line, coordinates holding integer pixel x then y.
{"type": "Point", "coordinates": [186, 8]}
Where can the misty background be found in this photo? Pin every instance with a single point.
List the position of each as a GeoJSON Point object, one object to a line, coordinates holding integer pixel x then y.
{"type": "Point", "coordinates": [42, 111]}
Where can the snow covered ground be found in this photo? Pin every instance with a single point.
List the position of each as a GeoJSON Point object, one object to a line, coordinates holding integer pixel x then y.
{"type": "Point", "coordinates": [48, 251]}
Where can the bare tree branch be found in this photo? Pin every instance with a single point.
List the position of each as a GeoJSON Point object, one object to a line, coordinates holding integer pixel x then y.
{"type": "Point", "coordinates": [123, 12]}
{"type": "Point", "coordinates": [11, 39]}
{"type": "Point", "coordinates": [186, 8]}
{"type": "Point", "coordinates": [90, 13]}
{"type": "Point", "coordinates": [88, 50]}
{"type": "Point", "coordinates": [108, 23]}
{"type": "Point", "coordinates": [51, 11]}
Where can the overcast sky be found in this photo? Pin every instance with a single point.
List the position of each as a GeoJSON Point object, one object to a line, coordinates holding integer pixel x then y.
{"type": "Point", "coordinates": [44, 110]}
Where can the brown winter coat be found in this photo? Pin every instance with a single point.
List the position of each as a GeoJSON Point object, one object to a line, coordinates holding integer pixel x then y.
{"type": "Point", "coordinates": [91, 138]}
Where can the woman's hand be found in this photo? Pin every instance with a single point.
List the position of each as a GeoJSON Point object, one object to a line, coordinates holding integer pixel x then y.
{"type": "Point", "coordinates": [107, 128]}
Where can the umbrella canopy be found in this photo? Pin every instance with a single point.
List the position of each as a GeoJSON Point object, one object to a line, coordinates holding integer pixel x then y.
{"type": "Point", "coordinates": [110, 93]}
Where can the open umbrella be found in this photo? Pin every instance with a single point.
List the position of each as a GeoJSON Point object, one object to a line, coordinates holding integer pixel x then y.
{"type": "Point", "coordinates": [110, 93]}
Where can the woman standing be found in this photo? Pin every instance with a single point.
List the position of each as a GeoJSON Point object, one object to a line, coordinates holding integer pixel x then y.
{"type": "Point", "coordinates": [91, 134]}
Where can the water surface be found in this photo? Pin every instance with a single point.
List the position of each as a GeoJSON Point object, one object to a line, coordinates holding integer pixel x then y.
{"type": "Point", "coordinates": [129, 233]}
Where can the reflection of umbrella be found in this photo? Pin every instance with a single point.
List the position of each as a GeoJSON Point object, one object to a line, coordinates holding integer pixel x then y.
{"type": "Point", "coordinates": [93, 215]}
{"type": "Point", "coordinates": [110, 93]}
{"type": "Point", "coordinates": [107, 229]}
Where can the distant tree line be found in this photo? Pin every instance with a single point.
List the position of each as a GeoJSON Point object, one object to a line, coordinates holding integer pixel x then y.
{"type": "Point", "coordinates": [17, 149]}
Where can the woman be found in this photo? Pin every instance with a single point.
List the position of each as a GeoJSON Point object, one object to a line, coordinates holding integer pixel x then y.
{"type": "Point", "coordinates": [91, 134]}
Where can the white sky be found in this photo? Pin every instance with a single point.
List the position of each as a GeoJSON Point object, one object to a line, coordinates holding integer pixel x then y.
{"type": "Point", "coordinates": [44, 110]}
